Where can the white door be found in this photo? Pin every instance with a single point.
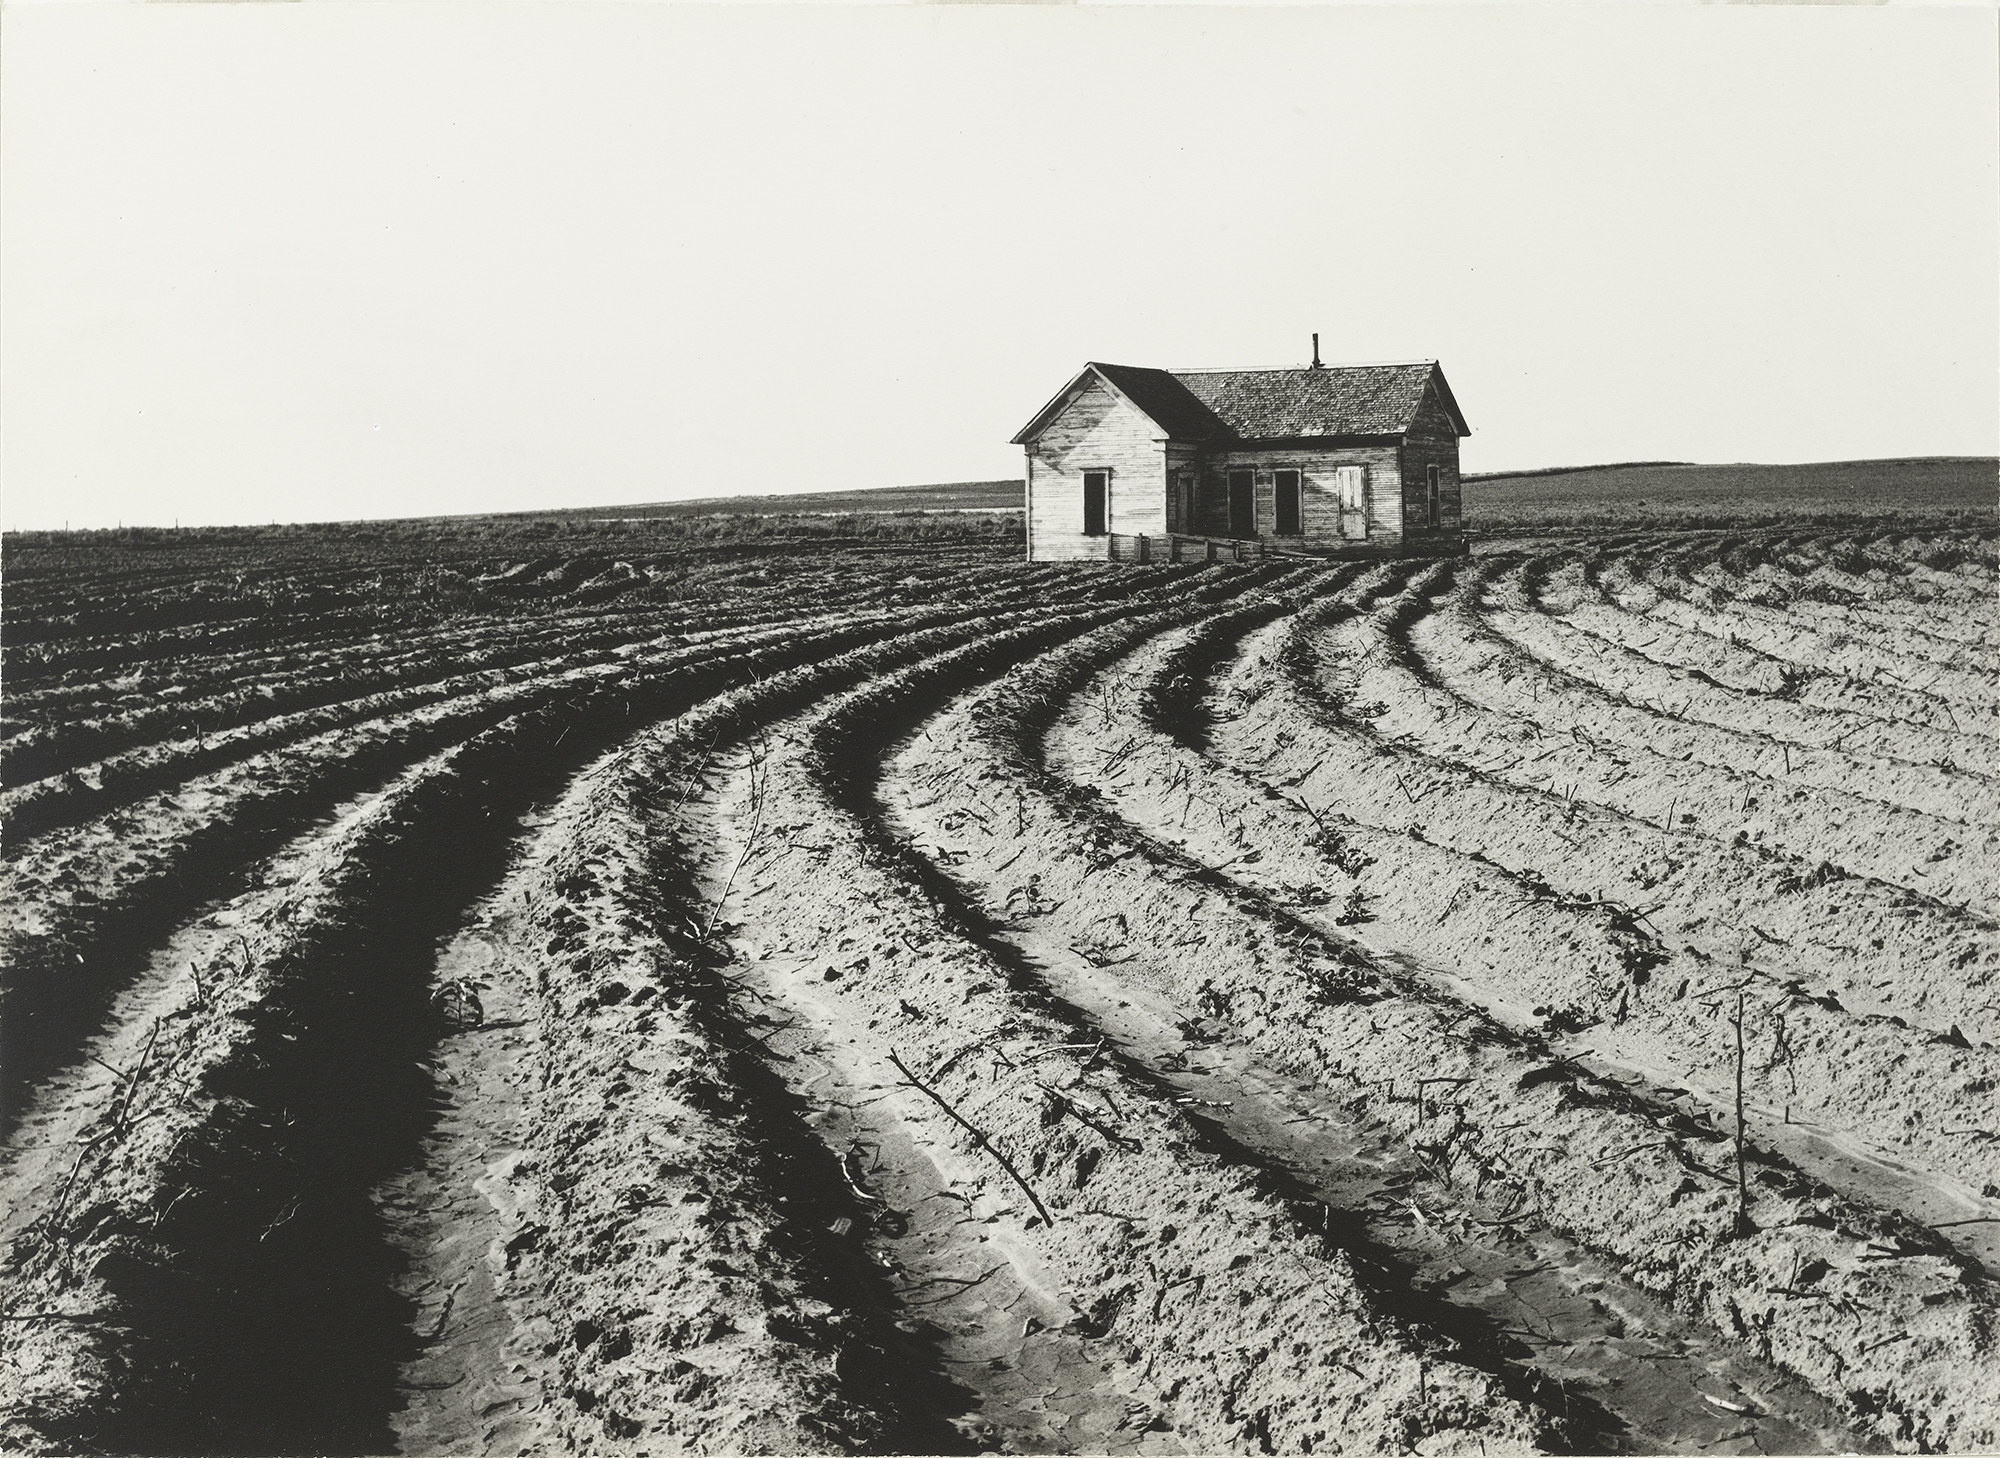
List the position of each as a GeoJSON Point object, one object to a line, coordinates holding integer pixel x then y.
{"type": "Point", "coordinates": [1353, 487]}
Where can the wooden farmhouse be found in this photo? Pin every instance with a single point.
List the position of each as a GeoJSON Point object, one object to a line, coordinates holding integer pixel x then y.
{"type": "Point", "coordinates": [1131, 464]}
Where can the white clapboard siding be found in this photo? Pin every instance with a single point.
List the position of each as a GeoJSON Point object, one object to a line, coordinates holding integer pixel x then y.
{"type": "Point", "coordinates": [1096, 431]}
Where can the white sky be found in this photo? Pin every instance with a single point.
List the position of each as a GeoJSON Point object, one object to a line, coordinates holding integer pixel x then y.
{"type": "Point", "coordinates": [329, 260]}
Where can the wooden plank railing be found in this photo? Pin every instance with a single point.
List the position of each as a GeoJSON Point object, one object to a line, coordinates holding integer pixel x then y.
{"type": "Point", "coordinates": [1179, 547]}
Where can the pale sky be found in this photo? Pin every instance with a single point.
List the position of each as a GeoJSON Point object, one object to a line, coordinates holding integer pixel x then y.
{"type": "Point", "coordinates": [335, 260]}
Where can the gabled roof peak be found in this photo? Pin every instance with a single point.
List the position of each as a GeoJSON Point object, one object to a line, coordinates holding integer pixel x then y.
{"type": "Point", "coordinates": [1299, 402]}
{"type": "Point", "coordinates": [1371, 364]}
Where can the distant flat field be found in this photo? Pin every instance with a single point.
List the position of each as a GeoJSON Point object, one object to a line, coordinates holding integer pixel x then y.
{"type": "Point", "coordinates": [1656, 496]}
{"type": "Point", "coordinates": [1667, 496]}
{"type": "Point", "coordinates": [941, 496]}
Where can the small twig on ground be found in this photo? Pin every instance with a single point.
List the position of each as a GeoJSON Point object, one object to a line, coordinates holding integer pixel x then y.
{"type": "Point", "coordinates": [757, 787]}
{"type": "Point", "coordinates": [1452, 905]}
{"type": "Point", "coordinates": [1743, 1226]}
{"type": "Point", "coordinates": [1070, 1105]}
{"type": "Point", "coordinates": [1628, 1153]}
{"type": "Point", "coordinates": [848, 1162]}
{"type": "Point", "coordinates": [1199, 1280]}
{"type": "Point", "coordinates": [978, 1137]}
{"type": "Point", "coordinates": [951, 1060]}
{"type": "Point", "coordinates": [132, 1085]}
{"type": "Point", "coordinates": [964, 1282]}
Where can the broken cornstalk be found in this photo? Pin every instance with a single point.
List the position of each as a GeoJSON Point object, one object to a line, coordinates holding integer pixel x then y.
{"type": "Point", "coordinates": [1743, 1225]}
{"type": "Point", "coordinates": [978, 1136]}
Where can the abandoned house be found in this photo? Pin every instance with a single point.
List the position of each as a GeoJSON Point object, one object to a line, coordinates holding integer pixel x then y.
{"type": "Point", "coordinates": [1142, 464]}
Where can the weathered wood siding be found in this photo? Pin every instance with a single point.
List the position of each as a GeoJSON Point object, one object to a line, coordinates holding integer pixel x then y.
{"type": "Point", "coordinates": [1319, 490]}
{"type": "Point", "coordinates": [1183, 486]}
{"type": "Point", "coordinates": [1097, 431]}
{"type": "Point", "coordinates": [1432, 441]}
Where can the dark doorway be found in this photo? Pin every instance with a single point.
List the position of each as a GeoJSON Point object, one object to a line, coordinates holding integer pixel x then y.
{"type": "Point", "coordinates": [1242, 505]}
{"type": "Point", "coordinates": [1287, 504]}
{"type": "Point", "coordinates": [1094, 483]}
{"type": "Point", "coordinates": [1184, 518]}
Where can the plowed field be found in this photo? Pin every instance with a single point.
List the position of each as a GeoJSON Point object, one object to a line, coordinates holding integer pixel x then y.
{"type": "Point", "coordinates": [885, 996]}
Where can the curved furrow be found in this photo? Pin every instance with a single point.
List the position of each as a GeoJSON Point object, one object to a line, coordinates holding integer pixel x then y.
{"type": "Point", "coordinates": [748, 595]}
{"type": "Point", "coordinates": [1837, 583]}
{"type": "Point", "coordinates": [74, 697]}
{"type": "Point", "coordinates": [1762, 561]}
{"type": "Point", "coordinates": [1630, 620]}
{"type": "Point", "coordinates": [1633, 1185]}
{"type": "Point", "coordinates": [195, 1264]}
{"type": "Point", "coordinates": [1767, 630]}
{"type": "Point", "coordinates": [1861, 567]}
{"type": "Point", "coordinates": [72, 740]}
{"type": "Point", "coordinates": [1129, 1261]}
{"type": "Point", "coordinates": [1960, 563]}
{"type": "Point", "coordinates": [1500, 908]}
{"type": "Point", "coordinates": [1482, 647]}
{"type": "Point", "coordinates": [228, 1178]}
{"type": "Point", "coordinates": [1233, 1002]}
{"type": "Point", "coordinates": [669, 989]}
{"type": "Point", "coordinates": [660, 1129]}
{"type": "Point", "coordinates": [470, 641]}
{"type": "Point", "coordinates": [1963, 638]}
{"type": "Point", "coordinates": [28, 812]}
{"type": "Point", "coordinates": [1941, 860]}
{"type": "Point", "coordinates": [1676, 917]}
{"type": "Point", "coordinates": [85, 906]}
{"type": "Point", "coordinates": [40, 652]}
{"type": "Point", "coordinates": [1722, 900]}
{"type": "Point", "coordinates": [1855, 560]}
{"type": "Point", "coordinates": [1631, 700]}
{"type": "Point", "coordinates": [1956, 678]}
{"type": "Point", "coordinates": [1594, 639]}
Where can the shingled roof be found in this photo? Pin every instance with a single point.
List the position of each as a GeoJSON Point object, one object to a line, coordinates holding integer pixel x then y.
{"type": "Point", "coordinates": [1336, 400]}
{"type": "Point", "coordinates": [1244, 405]}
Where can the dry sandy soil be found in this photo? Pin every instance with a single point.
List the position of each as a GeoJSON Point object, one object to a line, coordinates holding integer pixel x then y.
{"type": "Point", "coordinates": [907, 1000]}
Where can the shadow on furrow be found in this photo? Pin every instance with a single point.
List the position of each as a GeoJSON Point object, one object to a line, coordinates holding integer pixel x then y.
{"type": "Point", "coordinates": [1472, 1336]}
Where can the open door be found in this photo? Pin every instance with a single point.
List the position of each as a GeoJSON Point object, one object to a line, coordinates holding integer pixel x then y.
{"type": "Point", "coordinates": [1285, 505]}
{"type": "Point", "coordinates": [1351, 484]}
{"type": "Point", "coordinates": [1242, 504]}
{"type": "Point", "coordinates": [1183, 518]}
